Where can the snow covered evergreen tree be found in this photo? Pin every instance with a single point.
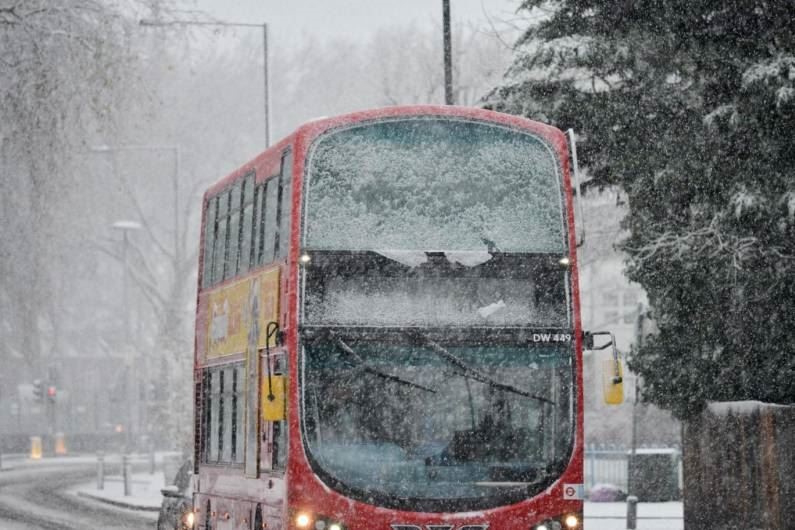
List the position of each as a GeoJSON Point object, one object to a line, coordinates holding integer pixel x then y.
{"type": "Point", "coordinates": [689, 107]}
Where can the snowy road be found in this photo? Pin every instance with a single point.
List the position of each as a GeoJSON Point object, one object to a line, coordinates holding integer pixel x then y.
{"type": "Point", "coordinates": [41, 496]}
{"type": "Point", "coordinates": [34, 496]}
{"type": "Point", "coordinates": [651, 516]}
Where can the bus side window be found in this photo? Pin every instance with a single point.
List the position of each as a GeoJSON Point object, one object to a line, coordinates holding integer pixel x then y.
{"type": "Point", "coordinates": [259, 225]}
{"type": "Point", "coordinates": [223, 406]}
{"type": "Point", "coordinates": [279, 457]}
{"type": "Point", "coordinates": [279, 433]}
{"type": "Point", "coordinates": [233, 247]}
{"type": "Point", "coordinates": [203, 453]}
{"type": "Point", "coordinates": [210, 227]}
{"type": "Point", "coordinates": [271, 199]}
{"type": "Point", "coordinates": [246, 224]}
{"type": "Point", "coordinates": [256, 206]}
{"type": "Point", "coordinates": [238, 417]}
{"type": "Point", "coordinates": [225, 429]}
{"type": "Point", "coordinates": [213, 433]}
{"type": "Point", "coordinates": [285, 205]}
{"type": "Point", "coordinates": [220, 246]}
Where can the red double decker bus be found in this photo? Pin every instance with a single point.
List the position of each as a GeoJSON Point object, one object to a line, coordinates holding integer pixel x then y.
{"type": "Point", "coordinates": [388, 333]}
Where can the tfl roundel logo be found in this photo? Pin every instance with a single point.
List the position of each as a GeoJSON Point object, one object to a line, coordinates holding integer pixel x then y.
{"type": "Point", "coordinates": [573, 492]}
{"type": "Point", "coordinates": [400, 526]}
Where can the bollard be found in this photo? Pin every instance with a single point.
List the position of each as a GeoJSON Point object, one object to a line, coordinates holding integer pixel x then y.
{"type": "Point", "coordinates": [100, 471]}
{"type": "Point", "coordinates": [60, 444]}
{"type": "Point", "coordinates": [125, 472]}
{"type": "Point", "coordinates": [35, 447]}
{"type": "Point", "coordinates": [632, 512]}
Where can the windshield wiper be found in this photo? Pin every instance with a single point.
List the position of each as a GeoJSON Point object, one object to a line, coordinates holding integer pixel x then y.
{"type": "Point", "coordinates": [479, 376]}
{"type": "Point", "coordinates": [375, 371]}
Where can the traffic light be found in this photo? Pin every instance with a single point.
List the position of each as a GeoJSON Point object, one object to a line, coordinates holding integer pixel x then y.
{"type": "Point", "coordinates": [38, 390]}
{"type": "Point", "coordinates": [51, 394]}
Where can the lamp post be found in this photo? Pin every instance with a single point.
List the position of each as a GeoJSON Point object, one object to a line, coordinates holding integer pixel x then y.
{"type": "Point", "coordinates": [263, 26]}
{"type": "Point", "coordinates": [127, 226]}
{"type": "Point", "coordinates": [175, 181]}
{"type": "Point", "coordinates": [135, 414]}
{"type": "Point", "coordinates": [448, 54]}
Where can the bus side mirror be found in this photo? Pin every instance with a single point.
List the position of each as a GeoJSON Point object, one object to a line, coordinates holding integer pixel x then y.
{"type": "Point", "coordinates": [273, 399]}
{"type": "Point", "coordinates": [613, 381]}
{"type": "Point", "coordinates": [612, 369]}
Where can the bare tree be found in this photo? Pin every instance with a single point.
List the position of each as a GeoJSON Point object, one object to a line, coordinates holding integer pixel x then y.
{"type": "Point", "coordinates": [63, 67]}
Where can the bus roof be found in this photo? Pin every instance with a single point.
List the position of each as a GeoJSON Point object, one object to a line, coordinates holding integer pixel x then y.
{"type": "Point", "coordinates": [268, 161]}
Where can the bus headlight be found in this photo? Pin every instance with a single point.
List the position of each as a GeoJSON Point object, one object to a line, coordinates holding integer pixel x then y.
{"type": "Point", "coordinates": [567, 522]}
{"type": "Point", "coordinates": [317, 522]}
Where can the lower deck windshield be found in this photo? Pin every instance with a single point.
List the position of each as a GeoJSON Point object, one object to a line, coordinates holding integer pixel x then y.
{"type": "Point", "coordinates": [437, 428]}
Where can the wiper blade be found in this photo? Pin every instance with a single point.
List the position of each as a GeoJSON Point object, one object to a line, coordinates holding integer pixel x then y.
{"type": "Point", "coordinates": [479, 376]}
{"type": "Point", "coordinates": [375, 371]}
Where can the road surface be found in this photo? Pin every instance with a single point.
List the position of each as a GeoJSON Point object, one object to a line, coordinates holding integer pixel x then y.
{"type": "Point", "coordinates": [36, 496]}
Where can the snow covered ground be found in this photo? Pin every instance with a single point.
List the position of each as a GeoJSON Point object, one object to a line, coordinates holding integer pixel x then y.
{"type": "Point", "coordinates": [145, 493]}
{"type": "Point", "coordinates": [651, 516]}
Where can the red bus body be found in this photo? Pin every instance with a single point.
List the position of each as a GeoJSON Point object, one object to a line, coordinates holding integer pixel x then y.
{"type": "Point", "coordinates": [224, 497]}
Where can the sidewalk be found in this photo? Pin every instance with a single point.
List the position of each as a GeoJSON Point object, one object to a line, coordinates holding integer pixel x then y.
{"type": "Point", "coordinates": [145, 486]}
{"type": "Point", "coordinates": [9, 461]}
{"type": "Point", "coordinates": [651, 516]}
{"type": "Point", "coordinates": [145, 494]}
{"type": "Point", "coordinates": [13, 461]}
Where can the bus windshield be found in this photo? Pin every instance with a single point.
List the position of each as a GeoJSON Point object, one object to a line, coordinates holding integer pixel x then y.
{"type": "Point", "coordinates": [401, 426]}
{"type": "Point", "coordinates": [370, 289]}
{"type": "Point", "coordinates": [433, 184]}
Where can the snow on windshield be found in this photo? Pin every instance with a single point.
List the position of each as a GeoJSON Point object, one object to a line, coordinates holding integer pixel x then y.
{"type": "Point", "coordinates": [433, 184]}
{"type": "Point", "coordinates": [434, 302]}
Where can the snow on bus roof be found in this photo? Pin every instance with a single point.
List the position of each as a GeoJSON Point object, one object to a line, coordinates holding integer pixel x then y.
{"type": "Point", "coordinates": [655, 451]}
{"type": "Point", "coordinates": [723, 408]}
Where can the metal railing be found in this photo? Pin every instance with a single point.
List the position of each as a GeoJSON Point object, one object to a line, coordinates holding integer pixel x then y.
{"type": "Point", "coordinates": [610, 465]}
{"type": "Point", "coordinates": [606, 466]}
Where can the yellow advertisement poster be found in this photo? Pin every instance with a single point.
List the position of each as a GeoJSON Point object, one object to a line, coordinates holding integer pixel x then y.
{"type": "Point", "coordinates": [240, 309]}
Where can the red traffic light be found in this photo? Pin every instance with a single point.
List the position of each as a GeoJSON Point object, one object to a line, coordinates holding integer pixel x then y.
{"type": "Point", "coordinates": [51, 391]}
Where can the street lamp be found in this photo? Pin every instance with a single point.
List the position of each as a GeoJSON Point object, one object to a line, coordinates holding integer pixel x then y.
{"type": "Point", "coordinates": [127, 226]}
{"type": "Point", "coordinates": [264, 27]}
{"type": "Point", "coordinates": [132, 373]}
{"type": "Point", "coordinates": [175, 184]}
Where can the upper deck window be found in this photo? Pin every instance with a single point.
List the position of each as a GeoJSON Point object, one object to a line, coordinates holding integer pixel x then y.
{"type": "Point", "coordinates": [247, 225]}
{"type": "Point", "coordinates": [434, 184]}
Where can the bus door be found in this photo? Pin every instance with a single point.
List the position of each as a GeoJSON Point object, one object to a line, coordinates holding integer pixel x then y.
{"type": "Point", "coordinates": [273, 439]}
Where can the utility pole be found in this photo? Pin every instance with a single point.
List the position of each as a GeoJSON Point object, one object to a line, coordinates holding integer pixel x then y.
{"type": "Point", "coordinates": [131, 357]}
{"type": "Point", "coordinates": [448, 54]}
{"type": "Point", "coordinates": [641, 316]}
{"type": "Point", "coordinates": [219, 23]}
{"type": "Point", "coordinates": [267, 85]}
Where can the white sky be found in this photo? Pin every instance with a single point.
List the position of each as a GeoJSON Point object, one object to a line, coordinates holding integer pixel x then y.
{"type": "Point", "coordinates": [290, 20]}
